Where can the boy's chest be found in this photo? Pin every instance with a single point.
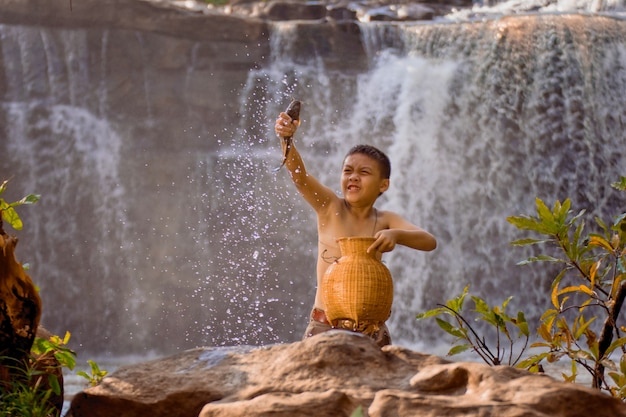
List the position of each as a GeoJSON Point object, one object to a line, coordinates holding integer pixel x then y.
{"type": "Point", "coordinates": [344, 225]}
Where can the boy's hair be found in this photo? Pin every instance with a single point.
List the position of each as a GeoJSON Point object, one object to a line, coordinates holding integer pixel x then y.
{"type": "Point", "coordinates": [377, 155]}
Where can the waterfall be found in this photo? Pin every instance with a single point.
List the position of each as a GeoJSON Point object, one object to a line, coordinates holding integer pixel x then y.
{"type": "Point", "coordinates": [148, 241]}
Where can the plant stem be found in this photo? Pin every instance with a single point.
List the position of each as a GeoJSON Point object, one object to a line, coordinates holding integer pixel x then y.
{"type": "Point", "coordinates": [606, 337]}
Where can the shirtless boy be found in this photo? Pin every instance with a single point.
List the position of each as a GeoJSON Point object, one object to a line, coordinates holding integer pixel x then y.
{"type": "Point", "coordinates": [365, 176]}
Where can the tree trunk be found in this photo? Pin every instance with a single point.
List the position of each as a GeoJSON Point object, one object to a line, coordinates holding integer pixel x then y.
{"type": "Point", "coordinates": [20, 307]}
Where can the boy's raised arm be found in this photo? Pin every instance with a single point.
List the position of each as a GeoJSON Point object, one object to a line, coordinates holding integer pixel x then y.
{"type": "Point", "coordinates": [314, 192]}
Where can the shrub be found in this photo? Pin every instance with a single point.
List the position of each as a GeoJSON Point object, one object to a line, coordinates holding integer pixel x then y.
{"type": "Point", "coordinates": [590, 287]}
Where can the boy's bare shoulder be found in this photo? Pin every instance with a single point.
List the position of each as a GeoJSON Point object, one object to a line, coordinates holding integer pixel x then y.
{"type": "Point", "coordinates": [387, 214]}
{"type": "Point", "coordinates": [333, 205]}
{"type": "Point", "coordinates": [390, 219]}
{"type": "Point", "coordinates": [333, 214]}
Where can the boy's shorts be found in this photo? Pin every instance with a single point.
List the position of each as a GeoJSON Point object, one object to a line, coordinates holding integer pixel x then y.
{"type": "Point", "coordinates": [318, 323]}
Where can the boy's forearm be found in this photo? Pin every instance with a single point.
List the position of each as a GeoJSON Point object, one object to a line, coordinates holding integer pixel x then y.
{"type": "Point", "coordinates": [417, 239]}
{"type": "Point", "coordinates": [314, 193]}
{"type": "Point", "coordinates": [295, 166]}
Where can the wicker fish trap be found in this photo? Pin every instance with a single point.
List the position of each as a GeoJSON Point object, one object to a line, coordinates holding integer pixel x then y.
{"type": "Point", "coordinates": [357, 289]}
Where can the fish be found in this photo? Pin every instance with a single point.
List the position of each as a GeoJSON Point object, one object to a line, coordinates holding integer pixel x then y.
{"type": "Point", "coordinates": [293, 111]}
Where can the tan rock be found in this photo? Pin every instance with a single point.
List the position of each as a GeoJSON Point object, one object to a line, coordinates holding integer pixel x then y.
{"type": "Point", "coordinates": [331, 375]}
{"type": "Point", "coordinates": [331, 403]}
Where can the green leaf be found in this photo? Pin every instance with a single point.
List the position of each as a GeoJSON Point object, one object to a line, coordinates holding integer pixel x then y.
{"type": "Point", "coordinates": [83, 374]}
{"type": "Point", "coordinates": [547, 258]}
{"type": "Point", "coordinates": [532, 360]}
{"type": "Point", "coordinates": [620, 185]}
{"type": "Point", "coordinates": [598, 240]}
{"type": "Point", "coordinates": [41, 346]}
{"type": "Point", "coordinates": [506, 302]}
{"type": "Point", "coordinates": [458, 349]}
{"type": "Point", "coordinates": [456, 304]}
{"type": "Point", "coordinates": [480, 305]}
{"type": "Point", "coordinates": [617, 378]}
{"type": "Point", "coordinates": [594, 351]}
{"type": "Point", "coordinates": [622, 364]}
{"type": "Point", "coordinates": [573, 288]}
{"type": "Point", "coordinates": [448, 328]}
{"type": "Point", "coordinates": [561, 211]}
{"type": "Point", "coordinates": [8, 212]}
{"type": "Point", "coordinates": [618, 343]}
{"type": "Point", "coordinates": [521, 324]}
{"type": "Point", "coordinates": [524, 223]}
{"type": "Point", "coordinates": [10, 216]}
{"type": "Point", "coordinates": [543, 212]}
{"type": "Point", "coordinates": [53, 381]}
{"type": "Point", "coordinates": [557, 280]}
{"type": "Point", "coordinates": [617, 224]}
{"type": "Point", "coordinates": [95, 369]}
{"type": "Point", "coordinates": [66, 358]}
{"type": "Point", "coordinates": [528, 241]}
{"type": "Point", "coordinates": [540, 258]}
{"type": "Point", "coordinates": [583, 327]}
{"type": "Point", "coordinates": [576, 217]}
{"type": "Point", "coordinates": [601, 224]}
{"type": "Point", "coordinates": [577, 248]}
{"type": "Point", "coordinates": [29, 199]}
{"type": "Point", "coordinates": [430, 313]}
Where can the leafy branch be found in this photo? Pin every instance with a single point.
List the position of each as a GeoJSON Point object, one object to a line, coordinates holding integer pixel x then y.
{"type": "Point", "coordinates": [590, 285]}
{"type": "Point", "coordinates": [467, 337]}
{"type": "Point", "coordinates": [33, 380]}
{"type": "Point", "coordinates": [594, 267]}
{"type": "Point", "coordinates": [8, 209]}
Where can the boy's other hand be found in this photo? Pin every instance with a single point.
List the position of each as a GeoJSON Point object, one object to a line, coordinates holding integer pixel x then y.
{"type": "Point", "coordinates": [285, 126]}
{"type": "Point", "coordinates": [385, 241]}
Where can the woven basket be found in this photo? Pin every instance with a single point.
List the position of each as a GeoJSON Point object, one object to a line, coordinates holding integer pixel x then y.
{"type": "Point", "coordinates": [357, 290]}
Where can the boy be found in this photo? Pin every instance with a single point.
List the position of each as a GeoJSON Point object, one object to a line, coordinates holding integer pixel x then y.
{"type": "Point", "coordinates": [365, 176]}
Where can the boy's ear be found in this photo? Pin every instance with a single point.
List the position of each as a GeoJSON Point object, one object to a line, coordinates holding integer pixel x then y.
{"type": "Point", "coordinates": [384, 185]}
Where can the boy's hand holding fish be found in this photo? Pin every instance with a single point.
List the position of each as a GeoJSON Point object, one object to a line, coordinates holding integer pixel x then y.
{"type": "Point", "coordinates": [286, 126]}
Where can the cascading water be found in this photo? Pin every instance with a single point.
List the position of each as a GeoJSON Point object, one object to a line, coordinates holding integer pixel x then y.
{"type": "Point", "coordinates": [138, 251]}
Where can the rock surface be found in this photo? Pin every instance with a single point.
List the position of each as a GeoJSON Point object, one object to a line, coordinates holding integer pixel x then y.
{"type": "Point", "coordinates": [332, 375]}
{"type": "Point", "coordinates": [326, 10]}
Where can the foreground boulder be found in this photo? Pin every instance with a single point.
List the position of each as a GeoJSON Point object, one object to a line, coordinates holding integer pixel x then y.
{"type": "Point", "coordinates": [332, 375]}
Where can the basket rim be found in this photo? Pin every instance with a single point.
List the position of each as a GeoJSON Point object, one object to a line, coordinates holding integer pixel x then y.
{"type": "Point", "coordinates": [356, 238]}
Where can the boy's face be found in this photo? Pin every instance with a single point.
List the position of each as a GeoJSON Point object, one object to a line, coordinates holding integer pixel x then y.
{"type": "Point", "coordinates": [361, 179]}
